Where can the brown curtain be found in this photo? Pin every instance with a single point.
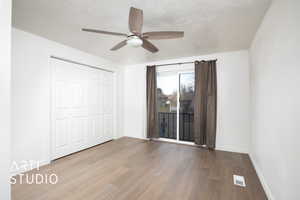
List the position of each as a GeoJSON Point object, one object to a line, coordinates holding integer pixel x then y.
{"type": "Point", "coordinates": [152, 131]}
{"type": "Point", "coordinates": [205, 113]}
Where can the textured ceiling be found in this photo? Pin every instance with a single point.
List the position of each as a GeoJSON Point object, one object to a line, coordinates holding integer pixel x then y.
{"type": "Point", "coordinates": [210, 25]}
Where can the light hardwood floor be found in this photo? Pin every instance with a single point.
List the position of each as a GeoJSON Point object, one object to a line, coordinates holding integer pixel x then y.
{"type": "Point", "coordinates": [133, 169]}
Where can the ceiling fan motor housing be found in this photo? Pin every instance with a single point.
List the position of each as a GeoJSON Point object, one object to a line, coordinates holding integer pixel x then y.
{"type": "Point", "coordinates": [134, 41]}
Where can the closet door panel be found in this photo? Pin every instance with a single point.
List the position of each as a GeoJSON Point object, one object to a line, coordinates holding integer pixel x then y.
{"type": "Point", "coordinates": [82, 107]}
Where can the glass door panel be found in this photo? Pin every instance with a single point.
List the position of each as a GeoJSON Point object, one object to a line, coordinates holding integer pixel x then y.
{"type": "Point", "coordinates": [167, 94]}
{"type": "Point", "coordinates": [186, 106]}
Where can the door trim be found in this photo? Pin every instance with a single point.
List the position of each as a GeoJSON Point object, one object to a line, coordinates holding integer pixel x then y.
{"type": "Point", "coordinates": [175, 141]}
{"type": "Point", "coordinates": [178, 71]}
{"type": "Point", "coordinates": [79, 63]}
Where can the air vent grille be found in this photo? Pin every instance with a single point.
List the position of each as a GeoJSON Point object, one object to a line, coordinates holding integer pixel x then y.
{"type": "Point", "coordinates": [239, 180]}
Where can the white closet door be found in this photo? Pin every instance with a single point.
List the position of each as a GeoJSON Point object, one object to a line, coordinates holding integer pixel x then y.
{"type": "Point", "coordinates": [82, 107]}
{"type": "Point", "coordinates": [108, 104]}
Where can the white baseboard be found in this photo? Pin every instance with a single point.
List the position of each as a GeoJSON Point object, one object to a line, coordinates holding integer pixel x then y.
{"type": "Point", "coordinates": [19, 171]}
{"type": "Point", "coordinates": [137, 137]}
{"type": "Point", "coordinates": [262, 178]}
{"type": "Point", "coordinates": [233, 150]}
{"type": "Point", "coordinates": [220, 148]}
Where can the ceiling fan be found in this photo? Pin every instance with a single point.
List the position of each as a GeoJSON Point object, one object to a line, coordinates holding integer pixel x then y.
{"type": "Point", "coordinates": [136, 38]}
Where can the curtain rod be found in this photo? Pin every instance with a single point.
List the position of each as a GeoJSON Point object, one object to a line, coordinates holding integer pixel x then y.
{"type": "Point", "coordinates": [78, 63]}
{"type": "Point", "coordinates": [182, 63]}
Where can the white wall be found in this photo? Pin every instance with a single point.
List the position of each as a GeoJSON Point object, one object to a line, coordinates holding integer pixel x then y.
{"type": "Point", "coordinates": [275, 76]}
{"type": "Point", "coordinates": [31, 92]}
{"type": "Point", "coordinates": [5, 68]}
{"type": "Point", "coordinates": [233, 127]}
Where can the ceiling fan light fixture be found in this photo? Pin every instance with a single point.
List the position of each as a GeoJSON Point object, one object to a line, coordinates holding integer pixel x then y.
{"type": "Point", "coordinates": [134, 41]}
{"type": "Point", "coordinates": [136, 37]}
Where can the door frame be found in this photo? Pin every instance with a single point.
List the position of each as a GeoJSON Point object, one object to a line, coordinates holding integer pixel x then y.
{"type": "Point", "coordinates": [178, 69]}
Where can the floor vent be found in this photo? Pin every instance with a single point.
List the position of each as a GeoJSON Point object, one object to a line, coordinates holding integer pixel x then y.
{"type": "Point", "coordinates": [239, 180]}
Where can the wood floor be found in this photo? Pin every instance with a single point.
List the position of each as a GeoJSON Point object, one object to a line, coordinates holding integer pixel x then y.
{"type": "Point", "coordinates": [133, 169]}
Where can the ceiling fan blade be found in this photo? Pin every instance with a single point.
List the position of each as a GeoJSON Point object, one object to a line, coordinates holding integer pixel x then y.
{"type": "Point", "coordinates": [119, 45]}
{"type": "Point", "coordinates": [149, 46]}
{"type": "Point", "coordinates": [135, 20]}
{"type": "Point", "coordinates": [104, 32]}
{"type": "Point", "coordinates": [160, 35]}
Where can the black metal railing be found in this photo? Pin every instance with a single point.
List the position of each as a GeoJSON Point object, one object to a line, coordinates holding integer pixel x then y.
{"type": "Point", "coordinates": [167, 124]}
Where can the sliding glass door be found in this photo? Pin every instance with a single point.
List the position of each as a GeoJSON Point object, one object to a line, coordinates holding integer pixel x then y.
{"type": "Point", "coordinates": [167, 98]}
{"type": "Point", "coordinates": [186, 106]}
{"type": "Point", "coordinates": [175, 105]}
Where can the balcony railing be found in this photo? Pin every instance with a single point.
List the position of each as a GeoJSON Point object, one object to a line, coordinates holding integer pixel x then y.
{"type": "Point", "coordinates": [167, 124]}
